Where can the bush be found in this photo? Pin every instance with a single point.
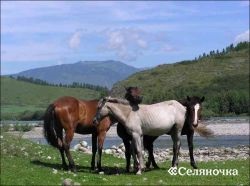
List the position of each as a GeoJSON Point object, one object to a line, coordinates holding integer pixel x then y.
{"type": "Point", "coordinates": [31, 116]}
{"type": "Point", "coordinates": [5, 128]}
{"type": "Point", "coordinates": [23, 128]}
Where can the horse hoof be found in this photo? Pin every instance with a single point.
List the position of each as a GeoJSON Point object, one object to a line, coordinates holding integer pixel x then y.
{"type": "Point", "coordinates": [100, 170]}
{"type": "Point", "coordinates": [73, 170]}
{"type": "Point", "coordinates": [138, 172]}
{"type": "Point", "coordinates": [156, 167]}
{"type": "Point", "coordinates": [194, 167]}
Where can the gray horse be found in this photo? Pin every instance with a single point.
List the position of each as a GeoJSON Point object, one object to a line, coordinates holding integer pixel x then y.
{"type": "Point", "coordinates": [153, 120]}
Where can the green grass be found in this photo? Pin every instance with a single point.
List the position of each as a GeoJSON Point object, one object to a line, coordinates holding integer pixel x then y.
{"type": "Point", "coordinates": [27, 163]}
{"type": "Point", "coordinates": [18, 97]}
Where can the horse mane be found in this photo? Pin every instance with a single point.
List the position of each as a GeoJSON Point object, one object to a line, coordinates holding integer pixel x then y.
{"type": "Point", "coordinates": [117, 100]}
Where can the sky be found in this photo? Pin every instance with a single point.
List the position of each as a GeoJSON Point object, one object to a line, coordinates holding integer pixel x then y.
{"type": "Point", "coordinates": [139, 33]}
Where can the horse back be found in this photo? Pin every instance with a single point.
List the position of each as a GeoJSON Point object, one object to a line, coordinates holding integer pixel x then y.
{"type": "Point", "coordinates": [71, 110]}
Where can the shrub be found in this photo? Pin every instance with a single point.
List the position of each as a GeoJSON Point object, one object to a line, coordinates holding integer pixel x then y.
{"type": "Point", "coordinates": [23, 128]}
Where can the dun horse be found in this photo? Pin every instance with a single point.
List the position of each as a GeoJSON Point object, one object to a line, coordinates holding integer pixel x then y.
{"type": "Point", "coordinates": [74, 115]}
{"type": "Point", "coordinates": [152, 120]}
{"type": "Point", "coordinates": [187, 130]}
{"type": "Point", "coordinates": [134, 98]}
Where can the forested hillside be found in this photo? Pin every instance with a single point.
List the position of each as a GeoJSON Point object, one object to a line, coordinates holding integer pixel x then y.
{"type": "Point", "coordinates": [221, 76]}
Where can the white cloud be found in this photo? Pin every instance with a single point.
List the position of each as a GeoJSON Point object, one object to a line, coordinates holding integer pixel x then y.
{"type": "Point", "coordinates": [127, 43]}
{"type": "Point", "coordinates": [242, 37]}
{"type": "Point", "coordinates": [75, 40]}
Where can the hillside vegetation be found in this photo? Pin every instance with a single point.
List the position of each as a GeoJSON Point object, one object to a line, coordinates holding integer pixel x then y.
{"type": "Point", "coordinates": [222, 77]}
{"type": "Point", "coordinates": [23, 100]}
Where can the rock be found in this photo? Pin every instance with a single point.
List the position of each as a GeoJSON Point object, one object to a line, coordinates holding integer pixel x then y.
{"type": "Point", "coordinates": [76, 147]}
{"type": "Point", "coordinates": [85, 150]}
{"type": "Point", "coordinates": [67, 182]}
{"type": "Point", "coordinates": [121, 145]}
{"type": "Point", "coordinates": [108, 151]}
{"type": "Point", "coordinates": [119, 151]}
{"type": "Point", "coordinates": [55, 171]}
{"type": "Point", "coordinates": [123, 148]}
{"type": "Point", "coordinates": [84, 143]}
{"type": "Point", "coordinates": [113, 147]}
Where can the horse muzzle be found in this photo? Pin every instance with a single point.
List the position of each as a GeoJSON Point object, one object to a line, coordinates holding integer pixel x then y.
{"type": "Point", "coordinates": [196, 124]}
{"type": "Point", "coordinates": [95, 121]}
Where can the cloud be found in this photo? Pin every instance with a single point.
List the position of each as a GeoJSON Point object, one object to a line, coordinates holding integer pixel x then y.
{"type": "Point", "coordinates": [127, 43]}
{"type": "Point", "coordinates": [130, 43]}
{"type": "Point", "coordinates": [242, 37]}
{"type": "Point", "coordinates": [75, 40]}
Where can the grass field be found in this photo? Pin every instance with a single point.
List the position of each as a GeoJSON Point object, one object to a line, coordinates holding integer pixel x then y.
{"type": "Point", "coordinates": [18, 97]}
{"type": "Point", "coordinates": [27, 163]}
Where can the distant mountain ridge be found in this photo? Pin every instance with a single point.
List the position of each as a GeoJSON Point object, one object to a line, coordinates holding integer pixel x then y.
{"type": "Point", "coordinates": [102, 73]}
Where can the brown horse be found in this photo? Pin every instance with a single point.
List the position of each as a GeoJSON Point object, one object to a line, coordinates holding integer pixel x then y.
{"type": "Point", "coordinates": [74, 115]}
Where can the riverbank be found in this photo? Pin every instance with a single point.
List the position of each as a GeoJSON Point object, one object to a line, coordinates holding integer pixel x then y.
{"type": "Point", "coordinates": [220, 129]}
{"type": "Point", "coordinates": [202, 154]}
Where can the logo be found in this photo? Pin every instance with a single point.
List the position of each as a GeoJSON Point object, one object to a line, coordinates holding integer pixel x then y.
{"type": "Point", "coordinates": [173, 171]}
{"type": "Point", "coordinates": [183, 171]}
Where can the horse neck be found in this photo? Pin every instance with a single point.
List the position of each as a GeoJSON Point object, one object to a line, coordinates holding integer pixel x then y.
{"type": "Point", "coordinates": [188, 115]}
{"type": "Point", "coordinates": [120, 111]}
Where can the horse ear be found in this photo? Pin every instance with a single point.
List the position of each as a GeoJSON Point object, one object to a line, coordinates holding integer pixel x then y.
{"type": "Point", "coordinates": [188, 98]}
{"type": "Point", "coordinates": [202, 99]}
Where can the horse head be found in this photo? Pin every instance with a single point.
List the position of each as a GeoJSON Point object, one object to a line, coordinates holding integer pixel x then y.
{"type": "Point", "coordinates": [99, 115]}
{"type": "Point", "coordinates": [133, 95]}
{"type": "Point", "coordinates": [194, 108]}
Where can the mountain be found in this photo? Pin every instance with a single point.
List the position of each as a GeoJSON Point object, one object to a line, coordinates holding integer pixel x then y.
{"type": "Point", "coordinates": [222, 77]}
{"type": "Point", "coordinates": [102, 73]}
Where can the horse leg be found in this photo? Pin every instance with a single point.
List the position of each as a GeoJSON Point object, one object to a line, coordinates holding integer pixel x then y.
{"type": "Point", "coordinates": [61, 149]}
{"type": "Point", "coordinates": [126, 138]}
{"type": "Point", "coordinates": [101, 137]}
{"type": "Point", "coordinates": [191, 150]}
{"type": "Point", "coordinates": [127, 144]}
{"type": "Point", "coordinates": [94, 149]}
{"type": "Point", "coordinates": [66, 144]}
{"type": "Point", "coordinates": [64, 164]}
{"type": "Point", "coordinates": [176, 135]}
{"type": "Point", "coordinates": [136, 141]}
{"type": "Point", "coordinates": [148, 144]}
{"type": "Point", "coordinates": [59, 132]}
{"type": "Point", "coordinates": [132, 147]}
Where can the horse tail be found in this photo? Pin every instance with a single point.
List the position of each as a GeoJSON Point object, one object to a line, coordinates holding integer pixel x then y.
{"type": "Point", "coordinates": [49, 126]}
{"type": "Point", "coordinates": [203, 131]}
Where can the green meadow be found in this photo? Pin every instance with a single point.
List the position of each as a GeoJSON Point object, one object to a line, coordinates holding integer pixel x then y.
{"type": "Point", "coordinates": [26, 163]}
{"type": "Point", "coordinates": [21, 100]}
